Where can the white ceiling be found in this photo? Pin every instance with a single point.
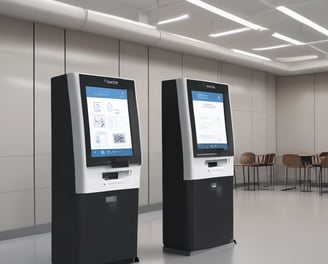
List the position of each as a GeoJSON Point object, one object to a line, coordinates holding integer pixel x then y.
{"type": "Point", "coordinates": [202, 23]}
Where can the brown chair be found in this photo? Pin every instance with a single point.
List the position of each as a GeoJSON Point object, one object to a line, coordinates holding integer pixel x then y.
{"type": "Point", "coordinates": [248, 160]}
{"type": "Point", "coordinates": [316, 163]}
{"type": "Point", "coordinates": [291, 161]}
{"type": "Point", "coordinates": [323, 165]}
{"type": "Point", "coordinates": [270, 161]}
{"type": "Point", "coordinates": [260, 161]}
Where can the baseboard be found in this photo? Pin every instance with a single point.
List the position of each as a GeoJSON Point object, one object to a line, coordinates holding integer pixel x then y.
{"type": "Point", "coordinates": [150, 207]}
{"type": "Point", "coordinates": [26, 231]}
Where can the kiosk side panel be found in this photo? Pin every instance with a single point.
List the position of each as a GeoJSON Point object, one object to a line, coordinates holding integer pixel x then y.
{"type": "Point", "coordinates": [64, 231]}
{"type": "Point", "coordinates": [176, 230]}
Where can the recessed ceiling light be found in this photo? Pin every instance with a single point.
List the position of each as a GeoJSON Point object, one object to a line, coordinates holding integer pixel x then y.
{"type": "Point", "coordinates": [288, 39]}
{"type": "Point", "coordinates": [225, 14]}
{"type": "Point", "coordinates": [175, 19]}
{"type": "Point", "coordinates": [273, 47]}
{"type": "Point", "coordinates": [299, 58]}
{"type": "Point", "coordinates": [250, 54]}
{"type": "Point", "coordinates": [235, 31]}
{"type": "Point", "coordinates": [302, 19]}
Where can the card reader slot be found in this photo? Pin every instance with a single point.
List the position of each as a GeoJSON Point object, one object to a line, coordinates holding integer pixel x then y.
{"type": "Point", "coordinates": [212, 164]}
{"type": "Point", "coordinates": [110, 176]}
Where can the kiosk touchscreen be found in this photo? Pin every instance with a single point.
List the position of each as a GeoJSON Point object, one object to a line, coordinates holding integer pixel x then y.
{"type": "Point", "coordinates": [197, 165]}
{"type": "Point", "coordinates": [96, 161]}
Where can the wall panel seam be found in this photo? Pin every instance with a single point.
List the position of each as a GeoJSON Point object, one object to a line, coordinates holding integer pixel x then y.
{"type": "Point", "coordinates": [148, 126]}
{"type": "Point", "coordinates": [34, 127]}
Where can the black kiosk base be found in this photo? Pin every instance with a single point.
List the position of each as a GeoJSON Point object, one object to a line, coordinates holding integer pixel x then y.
{"type": "Point", "coordinates": [197, 214]}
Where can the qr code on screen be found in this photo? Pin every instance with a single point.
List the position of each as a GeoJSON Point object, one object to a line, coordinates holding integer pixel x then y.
{"type": "Point", "coordinates": [119, 138]}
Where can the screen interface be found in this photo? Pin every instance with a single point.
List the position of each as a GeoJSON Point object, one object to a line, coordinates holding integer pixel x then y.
{"type": "Point", "coordinates": [109, 122]}
{"type": "Point", "coordinates": [209, 120]}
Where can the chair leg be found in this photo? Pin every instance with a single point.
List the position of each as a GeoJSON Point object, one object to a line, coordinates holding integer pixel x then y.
{"type": "Point", "coordinates": [286, 176]}
{"type": "Point", "coordinates": [300, 171]}
{"type": "Point", "coordinates": [244, 177]}
{"type": "Point", "coordinates": [258, 178]}
{"type": "Point", "coordinates": [273, 177]}
{"type": "Point", "coordinates": [254, 183]}
{"type": "Point", "coordinates": [310, 178]}
{"type": "Point", "coordinates": [248, 177]}
{"type": "Point", "coordinates": [320, 181]}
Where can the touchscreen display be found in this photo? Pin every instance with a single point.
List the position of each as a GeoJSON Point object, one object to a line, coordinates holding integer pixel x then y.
{"type": "Point", "coordinates": [209, 120]}
{"type": "Point", "coordinates": [109, 122]}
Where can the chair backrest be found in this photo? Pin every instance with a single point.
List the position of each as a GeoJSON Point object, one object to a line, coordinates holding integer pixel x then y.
{"type": "Point", "coordinates": [322, 155]}
{"type": "Point", "coordinates": [261, 159]}
{"type": "Point", "coordinates": [247, 158]}
{"type": "Point", "coordinates": [324, 162]}
{"type": "Point", "coordinates": [292, 160]}
{"type": "Point", "coordinates": [270, 158]}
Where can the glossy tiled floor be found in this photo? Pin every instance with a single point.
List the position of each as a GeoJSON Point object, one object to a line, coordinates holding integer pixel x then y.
{"type": "Point", "coordinates": [271, 227]}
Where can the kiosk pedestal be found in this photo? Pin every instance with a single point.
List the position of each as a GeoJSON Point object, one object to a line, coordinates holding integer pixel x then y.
{"type": "Point", "coordinates": [197, 166]}
{"type": "Point", "coordinates": [96, 161]}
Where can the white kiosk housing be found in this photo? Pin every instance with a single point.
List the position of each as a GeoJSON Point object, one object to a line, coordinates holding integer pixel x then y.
{"type": "Point", "coordinates": [197, 165]}
{"type": "Point", "coordinates": [96, 160]}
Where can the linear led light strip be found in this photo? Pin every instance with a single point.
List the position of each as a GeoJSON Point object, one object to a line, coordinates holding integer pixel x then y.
{"type": "Point", "coordinates": [225, 14]}
{"type": "Point", "coordinates": [175, 19]}
{"type": "Point", "coordinates": [299, 58]}
{"type": "Point", "coordinates": [288, 39]}
{"type": "Point", "coordinates": [273, 47]}
{"type": "Point", "coordinates": [250, 54]}
{"type": "Point", "coordinates": [302, 19]}
{"type": "Point", "coordinates": [235, 31]}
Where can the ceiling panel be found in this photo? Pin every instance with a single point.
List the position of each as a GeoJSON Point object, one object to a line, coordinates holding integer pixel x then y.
{"type": "Point", "coordinates": [202, 23]}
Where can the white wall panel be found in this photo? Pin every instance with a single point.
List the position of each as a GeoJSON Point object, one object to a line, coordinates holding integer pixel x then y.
{"type": "Point", "coordinates": [16, 174]}
{"type": "Point", "coordinates": [43, 205]}
{"type": "Point", "coordinates": [17, 210]}
{"type": "Point", "coordinates": [259, 92]}
{"type": "Point", "coordinates": [295, 95]}
{"type": "Point", "coordinates": [16, 119]}
{"type": "Point", "coordinates": [295, 133]}
{"type": "Point", "coordinates": [271, 113]}
{"type": "Point", "coordinates": [155, 192]}
{"type": "Point", "coordinates": [259, 133]}
{"type": "Point", "coordinates": [134, 65]}
{"type": "Point", "coordinates": [92, 54]}
{"type": "Point", "coordinates": [143, 194]}
{"type": "Point", "coordinates": [321, 93]}
{"type": "Point", "coordinates": [49, 62]}
{"type": "Point", "coordinates": [144, 185]}
{"type": "Point", "coordinates": [321, 133]}
{"type": "Point", "coordinates": [200, 68]}
{"type": "Point", "coordinates": [295, 114]}
{"type": "Point", "coordinates": [240, 83]}
{"type": "Point", "coordinates": [16, 92]}
{"type": "Point", "coordinates": [242, 128]}
{"type": "Point", "coordinates": [163, 65]}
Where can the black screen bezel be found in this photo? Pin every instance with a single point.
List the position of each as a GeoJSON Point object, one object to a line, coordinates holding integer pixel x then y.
{"type": "Point", "coordinates": [195, 85]}
{"type": "Point", "coordinates": [114, 83]}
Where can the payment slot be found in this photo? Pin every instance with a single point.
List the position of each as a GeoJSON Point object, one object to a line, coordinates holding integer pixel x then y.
{"type": "Point", "coordinates": [198, 154]}
{"type": "Point", "coordinates": [96, 160]}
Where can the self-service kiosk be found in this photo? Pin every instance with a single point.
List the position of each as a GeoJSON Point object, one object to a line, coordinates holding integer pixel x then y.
{"type": "Point", "coordinates": [197, 165]}
{"type": "Point", "coordinates": [96, 161]}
